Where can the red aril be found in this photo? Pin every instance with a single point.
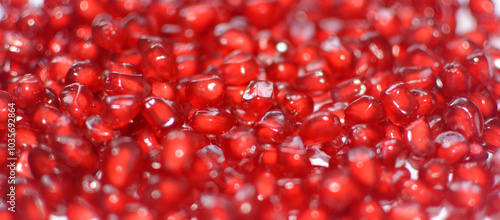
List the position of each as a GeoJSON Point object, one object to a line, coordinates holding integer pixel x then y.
{"type": "Point", "coordinates": [400, 105]}
{"type": "Point", "coordinates": [465, 117]}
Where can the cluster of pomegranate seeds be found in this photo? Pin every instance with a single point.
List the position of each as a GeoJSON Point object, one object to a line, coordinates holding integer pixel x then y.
{"type": "Point", "coordinates": [257, 109]}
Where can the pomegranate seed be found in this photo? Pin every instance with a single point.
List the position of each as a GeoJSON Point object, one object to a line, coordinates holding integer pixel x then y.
{"type": "Point", "coordinates": [479, 66]}
{"type": "Point", "coordinates": [415, 190]}
{"type": "Point", "coordinates": [418, 77]}
{"type": "Point", "coordinates": [366, 134]}
{"type": "Point", "coordinates": [292, 154]}
{"type": "Point", "coordinates": [298, 105]}
{"type": "Point", "coordinates": [120, 109]}
{"type": "Point", "coordinates": [339, 190]}
{"type": "Point", "coordinates": [466, 194]}
{"type": "Point", "coordinates": [29, 90]}
{"type": "Point", "coordinates": [484, 101]}
{"type": "Point", "coordinates": [158, 63]}
{"type": "Point", "coordinates": [340, 57]}
{"type": "Point", "coordinates": [286, 71]}
{"type": "Point", "coordinates": [162, 114]}
{"type": "Point", "coordinates": [239, 68]}
{"type": "Point", "coordinates": [319, 127]}
{"type": "Point", "coordinates": [474, 172]}
{"type": "Point", "coordinates": [123, 164]}
{"type": "Point", "coordinates": [364, 166]}
{"type": "Point", "coordinates": [121, 84]}
{"type": "Point", "coordinates": [258, 97]}
{"type": "Point", "coordinates": [435, 173]}
{"type": "Point", "coordinates": [97, 131]}
{"type": "Point", "coordinates": [400, 105]}
{"type": "Point", "coordinates": [455, 80]}
{"type": "Point", "coordinates": [76, 153]}
{"type": "Point", "coordinates": [465, 117]}
{"type": "Point", "coordinates": [85, 73]}
{"type": "Point", "coordinates": [451, 146]}
{"type": "Point", "coordinates": [391, 152]}
{"type": "Point", "coordinates": [263, 13]}
{"type": "Point", "coordinates": [107, 33]}
{"type": "Point", "coordinates": [421, 56]}
{"type": "Point", "coordinates": [483, 7]}
{"type": "Point", "coordinates": [366, 109]}
{"type": "Point", "coordinates": [349, 90]}
{"type": "Point", "coordinates": [205, 90]}
{"type": "Point", "coordinates": [492, 133]}
{"type": "Point", "coordinates": [212, 121]}
{"type": "Point", "coordinates": [76, 100]}
{"type": "Point", "coordinates": [407, 210]}
{"type": "Point", "coordinates": [240, 143]}
{"type": "Point", "coordinates": [419, 138]}
{"type": "Point", "coordinates": [379, 49]}
{"type": "Point", "coordinates": [272, 127]}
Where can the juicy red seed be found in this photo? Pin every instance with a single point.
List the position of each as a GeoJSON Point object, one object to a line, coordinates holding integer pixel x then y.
{"type": "Point", "coordinates": [29, 90]}
{"type": "Point", "coordinates": [59, 66]}
{"type": "Point", "coordinates": [340, 57]}
{"type": "Point", "coordinates": [205, 90]}
{"type": "Point", "coordinates": [484, 101]}
{"type": "Point", "coordinates": [212, 121]}
{"type": "Point", "coordinates": [158, 63]}
{"type": "Point", "coordinates": [349, 90]}
{"type": "Point", "coordinates": [108, 33]}
{"type": "Point", "coordinates": [239, 68]}
{"type": "Point", "coordinates": [408, 210]}
{"type": "Point", "coordinates": [419, 138]}
{"type": "Point", "coordinates": [122, 84]}
{"type": "Point", "coordinates": [166, 90]}
{"type": "Point", "coordinates": [120, 109]}
{"type": "Point", "coordinates": [240, 142]}
{"type": "Point", "coordinates": [465, 117]}
{"type": "Point", "coordinates": [97, 131]}
{"type": "Point", "coordinates": [379, 49]}
{"type": "Point", "coordinates": [455, 80]}
{"type": "Point", "coordinates": [162, 114]}
{"type": "Point", "coordinates": [339, 189]}
{"type": "Point", "coordinates": [283, 71]}
{"type": "Point", "coordinates": [319, 127]}
{"type": "Point", "coordinates": [76, 153]}
{"type": "Point", "coordinates": [298, 105]}
{"type": "Point", "coordinates": [124, 163]}
{"type": "Point", "coordinates": [451, 146]}
{"type": "Point", "coordinates": [364, 165]}
{"type": "Point", "coordinates": [259, 96]}
{"type": "Point", "coordinates": [178, 151]}
{"type": "Point", "coordinates": [400, 105]}
{"type": "Point", "coordinates": [492, 133]}
{"type": "Point", "coordinates": [418, 77]}
{"type": "Point", "coordinates": [466, 194]}
{"type": "Point", "coordinates": [87, 74]}
{"type": "Point", "coordinates": [474, 172]}
{"type": "Point", "coordinates": [76, 100]}
{"type": "Point", "coordinates": [366, 109]}
{"type": "Point", "coordinates": [435, 173]}
{"type": "Point", "coordinates": [421, 56]}
{"type": "Point", "coordinates": [366, 134]}
{"type": "Point", "coordinates": [426, 101]}
{"type": "Point", "coordinates": [292, 155]}
{"type": "Point", "coordinates": [391, 152]}
{"type": "Point", "coordinates": [272, 127]}
{"type": "Point", "coordinates": [314, 83]}
{"type": "Point", "coordinates": [480, 67]}
{"type": "Point", "coordinates": [483, 7]}
{"type": "Point", "coordinates": [415, 190]}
